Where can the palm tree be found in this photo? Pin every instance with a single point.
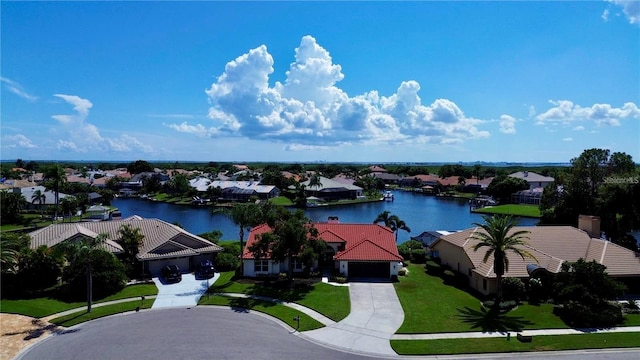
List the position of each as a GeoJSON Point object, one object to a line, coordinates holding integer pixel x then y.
{"type": "Point", "coordinates": [68, 205]}
{"type": "Point", "coordinates": [38, 197]}
{"type": "Point", "coordinates": [499, 238]}
{"type": "Point", "coordinates": [393, 222]}
{"type": "Point", "coordinates": [315, 182]}
{"type": "Point", "coordinates": [55, 174]}
{"type": "Point", "coordinates": [10, 245]}
{"type": "Point", "coordinates": [83, 249]}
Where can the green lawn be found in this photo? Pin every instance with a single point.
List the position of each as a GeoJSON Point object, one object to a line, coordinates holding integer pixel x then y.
{"type": "Point", "coordinates": [496, 345]}
{"type": "Point", "coordinates": [331, 301]}
{"type": "Point", "coordinates": [511, 209]}
{"type": "Point", "coordinates": [430, 306]}
{"type": "Point", "coordinates": [41, 307]}
{"type": "Point", "coordinates": [285, 314]}
{"type": "Point", "coordinates": [281, 200]}
{"type": "Point", "coordinates": [102, 311]}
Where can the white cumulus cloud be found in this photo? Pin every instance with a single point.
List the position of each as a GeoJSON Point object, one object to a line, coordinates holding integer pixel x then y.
{"type": "Point", "coordinates": [567, 139]}
{"type": "Point", "coordinates": [566, 111]}
{"type": "Point", "coordinates": [82, 136]}
{"type": "Point", "coordinates": [309, 109]}
{"type": "Point", "coordinates": [507, 124]}
{"type": "Point", "coordinates": [578, 128]}
{"type": "Point", "coordinates": [18, 141]}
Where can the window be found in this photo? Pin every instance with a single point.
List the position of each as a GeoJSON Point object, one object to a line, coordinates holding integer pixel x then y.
{"type": "Point", "coordinates": [297, 264]}
{"type": "Point", "coordinates": [484, 284]}
{"type": "Point", "coordinates": [435, 253]}
{"type": "Point", "coordinates": [261, 266]}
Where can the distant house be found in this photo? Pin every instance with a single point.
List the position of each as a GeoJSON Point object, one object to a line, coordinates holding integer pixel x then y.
{"type": "Point", "coordinates": [236, 190]}
{"type": "Point", "coordinates": [355, 250]}
{"type": "Point", "coordinates": [534, 180]}
{"type": "Point", "coordinates": [420, 180]}
{"type": "Point", "coordinates": [49, 196]}
{"type": "Point", "coordinates": [551, 245]}
{"type": "Point", "coordinates": [163, 243]}
{"type": "Point", "coordinates": [386, 177]}
{"type": "Point", "coordinates": [332, 190]}
{"type": "Point", "coordinates": [427, 238]}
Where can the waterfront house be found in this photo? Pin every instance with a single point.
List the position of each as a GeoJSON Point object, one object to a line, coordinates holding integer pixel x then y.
{"type": "Point", "coordinates": [354, 250]}
{"type": "Point", "coordinates": [533, 179]}
{"type": "Point", "coordinates": [551, 245]}
{"type": "Point", "coordinates": [331, 189]}
{"type": "Point", "coordinates": [163, 243]}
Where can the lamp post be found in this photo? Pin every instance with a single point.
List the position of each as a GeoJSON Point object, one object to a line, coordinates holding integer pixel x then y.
{"type": "Point", "coordinates": [297, 319]}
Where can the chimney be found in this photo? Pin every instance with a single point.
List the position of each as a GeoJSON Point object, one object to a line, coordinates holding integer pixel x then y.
{"type": "Point", "coordinates": [590, 224]}
{"type": "Point", "coordinates": [333, 220]}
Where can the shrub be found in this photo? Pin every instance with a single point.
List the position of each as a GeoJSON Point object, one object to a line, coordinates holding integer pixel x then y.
{"type": "Point", "coordinates": [580, 315]}
{"type": "Point", "coordinates": [449, 277]}
{"type": "Point", "coordinates": [108, 275]}
{"type": "Point", "coordinates": [418, 256]}
{"type": "Point", "coordinates": [513, 289]}
{"type": "Point", "coordinates": [226, 261]}
{"type": "Point", "coordinates": [402, 272]}
{"type": "Point", "coordinates": [502, 306]}
{"type": "Point", "coordinates": [339, 279]}
{"type": "Point", "coordinates": [433, 268]}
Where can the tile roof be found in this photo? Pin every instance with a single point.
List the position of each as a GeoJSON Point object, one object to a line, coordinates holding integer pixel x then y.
{"type": "Point", "coordinates": [362, 242]}
{"type": "Point", "coordinates": [530, 176]}
{"type": "Point", "coordinates": [551, 245]}
{"type": "Point", "coordinates": [157, 235]}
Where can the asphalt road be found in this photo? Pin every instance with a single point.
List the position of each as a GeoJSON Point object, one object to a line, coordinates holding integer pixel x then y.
{"type": "Point", "coordinates": [196, 333]}
{"type": "Point", "coordinates": [221, 333]}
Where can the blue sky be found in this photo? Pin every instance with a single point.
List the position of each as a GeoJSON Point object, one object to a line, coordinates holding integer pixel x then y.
{"type": "Point", "coordinates": [321, 81]}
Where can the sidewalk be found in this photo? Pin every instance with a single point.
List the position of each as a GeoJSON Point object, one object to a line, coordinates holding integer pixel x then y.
{"type": "Point", "coordinates": [538, 332]}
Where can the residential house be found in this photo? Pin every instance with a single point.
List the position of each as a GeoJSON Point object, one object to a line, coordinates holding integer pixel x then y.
{"type": "Point", "coordinates": [332, 190]}
{"type": "Point", "coordinates": [551, 245]}
{"type": "Point", "coordinates": [49, 196]}
{"type": "Point", "coordinates": [236, 190]}
{"type": "Point", "coordinates": [534, 180]}
{"type": "Point", "coordinates": [355, 250]}
{"type": "Point", "coordinates": [163, 243]}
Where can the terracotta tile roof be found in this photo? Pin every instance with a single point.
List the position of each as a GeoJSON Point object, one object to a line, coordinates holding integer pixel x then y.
{"type": "Point", "coordinates": [551, 245]}
{"type": "Point", "coordinates": [159, 236]}
{"type": "Point", "coordinates": [367, 250]}
{"type": "Point", "coordinates": [363, 242]}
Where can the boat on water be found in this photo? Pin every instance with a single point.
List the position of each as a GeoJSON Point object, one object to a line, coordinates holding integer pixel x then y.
{"type": "Point", "coordinates": [387, 196]}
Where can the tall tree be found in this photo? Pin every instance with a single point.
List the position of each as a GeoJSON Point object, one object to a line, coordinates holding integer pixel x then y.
{"type": "Point", "coordinates": [315, 182]}
{"type": "Point", "coordinates": [10, 246]}
{"type": "Point", "coordinates": [68, 205]}
{"type": "Point", "coordinates": [248, 215]}
{"type": "Point", "coordinates": [55, 175]}
{"type": "Point", "coordinates": [82, 251]}
{"type": "Point", "coordinates": [130, 239]}
{"type": "Point", "coordinates": [499, 239]}
{"type": "Point", "coordinates": [12, 203]}
{"type": "Point", "coordinates": [38, 197]}
{"type": "Point", "coordinates": [393, 222]}
{"type": "Point", "coordinates": [292, 236]}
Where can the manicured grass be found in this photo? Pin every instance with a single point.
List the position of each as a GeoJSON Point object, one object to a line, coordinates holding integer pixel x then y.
{"type": "Point", "coordinates": [331, 301]}
{"type": "Point", "coordinates": [632, 320]}
{"type": "Point", "coordinates": [430, 306]}
{"type": "Point", "coordinates": [281, 200]}
{"type": "Point", "coordinates": [496, 345]}
{"type": "Point", "coordinates": [41, 307]}
{"type": "Point", "coordinates": [285, 314]}
{"type": "Point", "coordinates": [512, 209]}
{"type": "Point", "coordinates": [102, 311]}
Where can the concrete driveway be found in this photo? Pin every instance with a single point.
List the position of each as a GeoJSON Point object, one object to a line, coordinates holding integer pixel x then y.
{"type": "Point", "coordinates": [186, 293]}
{"type": "Point", "coordinates": [375, 316]}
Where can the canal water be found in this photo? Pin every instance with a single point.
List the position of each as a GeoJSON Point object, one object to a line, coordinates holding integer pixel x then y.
{"type": "Point", "coordinates": [419, 212]}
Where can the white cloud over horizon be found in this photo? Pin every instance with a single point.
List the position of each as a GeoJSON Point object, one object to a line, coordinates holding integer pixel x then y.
{"type": "Point", "coordinates": [18, 141]}
{"type": "Point", "coordinates": [566, 111]}
{"type": "Point", "coordinates": [507, 124]}
{"type": "Point", "coordinates": [82, 137]}
{"type": "Point", "coordinates": [309, 111]}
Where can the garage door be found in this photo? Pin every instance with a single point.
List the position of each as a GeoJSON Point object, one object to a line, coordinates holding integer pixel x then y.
{"type": "Point", "coordinates": [156, 265]}
{"type": "Point", "coordinates": [369, 270]}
